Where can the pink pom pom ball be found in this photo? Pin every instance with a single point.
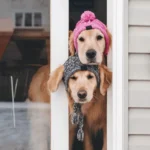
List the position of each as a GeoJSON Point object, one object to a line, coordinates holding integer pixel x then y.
{"type": "Point", "coordinates": [88, 16]}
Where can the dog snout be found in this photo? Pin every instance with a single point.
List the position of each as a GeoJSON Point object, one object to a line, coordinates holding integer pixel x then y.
{"type": "Point", "coordinates": [91, 54]}
{"type": "Point", "coordinates": [82, 94]}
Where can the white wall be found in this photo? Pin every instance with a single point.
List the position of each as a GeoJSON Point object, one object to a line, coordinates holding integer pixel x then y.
{"type": "Point", "coordinates": [9, 7]}
{"type": "Point", "coordinates": [139, 75]}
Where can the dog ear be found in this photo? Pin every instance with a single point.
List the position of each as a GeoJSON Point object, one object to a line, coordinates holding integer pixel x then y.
{"type": "Point", "coordinates": [55, 79]}
{"type": "Point", "coordinates": [106, 79]}
{"type": "Point", "coordinates": [110, 38]}
{"type": "Point", "coordinates": [71, 44]}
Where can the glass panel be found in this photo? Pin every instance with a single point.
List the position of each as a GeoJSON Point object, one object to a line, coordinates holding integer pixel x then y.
{"type": "Point", "coordinates": [28, 19]}
{"type": "Point", "coordinates": [31, 130]}
{"type": "Point", "coordinates": [27, 120]}
{"type": "Point", "coordinates": [18, 19]}
{"type": "Point", "coordinates": [25, 111]}
{"type": "Point", "coordinates": [37, 19]}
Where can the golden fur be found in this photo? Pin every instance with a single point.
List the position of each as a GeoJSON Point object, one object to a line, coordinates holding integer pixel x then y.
{"type": "Point", "coordinates": [89, 41]}
{"type": "Point", "coordinates": [38, 91]}
{"type": "Point", "coordinates": [81, 84]}
{"type": "Point", "coordinates": [94, 110]}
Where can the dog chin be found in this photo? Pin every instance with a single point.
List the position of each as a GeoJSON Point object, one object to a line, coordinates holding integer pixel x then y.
{"type": "Point", "coordinates": [82, 102]}
{"type": "Point", "coordinates": [92, 62]}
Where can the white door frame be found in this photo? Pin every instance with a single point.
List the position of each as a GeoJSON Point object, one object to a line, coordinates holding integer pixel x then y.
{"type": "Point", "coordinates": [59, 54]}
{"type": "Point", "coordinates": [117, 102]}
{"type": "Point", "coordinates": [117, 111]}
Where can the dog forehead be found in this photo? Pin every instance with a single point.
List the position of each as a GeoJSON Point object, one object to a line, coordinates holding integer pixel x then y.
{"type": "Point", "coordinates": [82, 73]}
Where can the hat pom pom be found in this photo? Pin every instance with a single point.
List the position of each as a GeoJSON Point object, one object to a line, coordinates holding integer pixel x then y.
{"type": "Point", "coordinates": [88, 16]}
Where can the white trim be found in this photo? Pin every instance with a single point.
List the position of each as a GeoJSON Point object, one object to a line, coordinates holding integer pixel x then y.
{"type": "Point", "coordinates": [59, 53]}
{"type": "Point", "coordinates": [117, 109]}
{"type": "Point", "coordinates": [109, 92]}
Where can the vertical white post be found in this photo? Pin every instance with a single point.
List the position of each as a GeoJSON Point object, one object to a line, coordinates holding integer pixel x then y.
{"type": "Point", "coordinates": [118, 108]}
{"type": "Point", "coordinates": [109, 92]}
{"type": "Point", "coordinates": [59, 13]}
{"type": "Point", "coordinates": [120, 50]}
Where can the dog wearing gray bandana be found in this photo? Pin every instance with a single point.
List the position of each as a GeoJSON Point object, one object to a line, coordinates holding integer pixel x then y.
{"type": "Point", "coordinates": [85, 86]}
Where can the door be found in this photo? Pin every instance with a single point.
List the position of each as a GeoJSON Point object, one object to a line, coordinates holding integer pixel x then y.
{"type": "Point", "coordinates": [59, 104]}
{"type": "Point", "coordinates": [117, 104]}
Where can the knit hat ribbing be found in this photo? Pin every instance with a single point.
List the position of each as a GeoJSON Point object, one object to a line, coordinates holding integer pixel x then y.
{"type": "Point", "coordinates": [88, 18]}
{"type": "Point", "coordinates": [73, 65]}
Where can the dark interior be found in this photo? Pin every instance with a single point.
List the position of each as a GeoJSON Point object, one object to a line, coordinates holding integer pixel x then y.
{"type": "Point", "coordinates": [76, 7]}
{"type": "Point", "coordinates": [21, 59]}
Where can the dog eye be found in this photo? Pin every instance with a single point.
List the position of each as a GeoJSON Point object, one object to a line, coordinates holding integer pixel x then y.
{"type": "Point", "coordinates": [89, 76]}
{"type": "Point", "coordinates": [73, 78]}
{"type": "Point", "coordinates": [81, 39]}
{"type": "Point", "coordinates": [99, 37]}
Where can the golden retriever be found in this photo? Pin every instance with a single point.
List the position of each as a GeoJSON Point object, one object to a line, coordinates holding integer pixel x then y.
{"type": "Point", "coordinates": [91, 46]}
{"type": "Point", "coordinates": [38, 91]}
{"type": "Point", "coordinates": [93, 103]}
{"type": "Point", "coordinates": [38, 88]}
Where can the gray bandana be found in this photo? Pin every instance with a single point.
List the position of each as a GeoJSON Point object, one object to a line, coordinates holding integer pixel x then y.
{"type": "Point", "coordinates": [73, 65]}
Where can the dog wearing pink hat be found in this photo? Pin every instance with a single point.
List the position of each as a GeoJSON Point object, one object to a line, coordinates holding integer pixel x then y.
{"type": "Point", "coordinates": [90, 39]}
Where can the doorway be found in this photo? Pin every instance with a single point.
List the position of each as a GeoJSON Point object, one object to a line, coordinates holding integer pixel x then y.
{"type": "Point", "coordinates": [25, 51]}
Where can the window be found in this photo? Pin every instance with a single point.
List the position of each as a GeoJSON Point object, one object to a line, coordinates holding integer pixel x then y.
{"type": "Point", "coordinates": [37, 19]}
{"type": "Point", "coordinates": [28, 20]}
{"type": "Point", "coordinates": [22, 123]}
{"type": "Point", "coordinates": [19, 19]}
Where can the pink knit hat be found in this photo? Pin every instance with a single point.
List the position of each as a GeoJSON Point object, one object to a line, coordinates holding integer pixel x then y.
{"type": "Point", "coordinates": [89, 21]}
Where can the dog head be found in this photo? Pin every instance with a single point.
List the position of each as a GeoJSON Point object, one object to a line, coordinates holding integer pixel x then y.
{"type": "Point", "coordinates": [82, 84]}
{"type": "Point", "coordinates": [91, 46]}
{"type": "Point", "coordinates": [90, 39]}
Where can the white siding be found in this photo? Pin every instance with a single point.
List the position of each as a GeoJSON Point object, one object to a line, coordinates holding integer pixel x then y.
{"type": "Point", "coordinates": [139, 11]}
{"type": "Point", "coordinates": [140, 142]}
{"type": "Point", "coordinates": [139, 121]}
{"type": "Point", "coordinates": [139, 75]}
{"type": "Point", "coordinates": [139, 94]}
{"type": "Point", "coordinates": [139, 39]}
{"type": "Point", "coordinates": [139, 66]}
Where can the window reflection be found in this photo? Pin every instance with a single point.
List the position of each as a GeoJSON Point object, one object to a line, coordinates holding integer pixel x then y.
{"type": "Point", "coordinates": [28, 19]}
{"type": "Point", "coordinates": [18, 19]}
{"type": "Point", "coordinates": [37, 19]}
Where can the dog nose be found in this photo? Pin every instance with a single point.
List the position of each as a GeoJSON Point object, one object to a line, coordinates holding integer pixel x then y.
{"type": "Point", "coordinates": [82, 94]}
{"type": "Point", "coordinates": [91, 54]}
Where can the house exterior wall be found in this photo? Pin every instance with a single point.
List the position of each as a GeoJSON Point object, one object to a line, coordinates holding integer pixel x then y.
{"type": "Point", "coordinates": [9, 7]}
{"type": "Point", "coordinates": [139, 75]}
